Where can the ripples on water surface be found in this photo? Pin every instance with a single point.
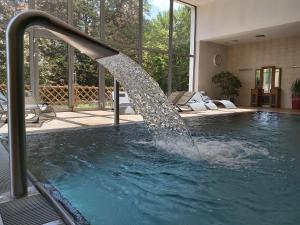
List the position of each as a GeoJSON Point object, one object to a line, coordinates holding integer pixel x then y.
{"type": "Point", "coordinates": [249, 172]}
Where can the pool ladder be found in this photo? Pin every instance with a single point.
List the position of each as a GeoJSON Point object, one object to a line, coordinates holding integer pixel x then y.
{"type": "Point", "coordinates": [15, 82]}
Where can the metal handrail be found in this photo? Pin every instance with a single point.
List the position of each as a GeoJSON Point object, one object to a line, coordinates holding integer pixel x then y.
{"type": "Point", "coordinates": [15, 81]}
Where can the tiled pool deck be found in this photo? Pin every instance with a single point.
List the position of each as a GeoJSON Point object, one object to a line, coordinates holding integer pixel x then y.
{"type": "Point", "coordinates": [83, 119]}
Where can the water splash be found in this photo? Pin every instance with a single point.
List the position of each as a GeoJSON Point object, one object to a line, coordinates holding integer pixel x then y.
{"type": "Point", "coordinates": [159, 114]}
{"type": "Point", "coordinates": [233, 153]}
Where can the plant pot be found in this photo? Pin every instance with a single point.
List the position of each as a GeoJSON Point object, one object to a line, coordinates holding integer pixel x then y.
{"type": "Point", "coordinates": [296, 102]}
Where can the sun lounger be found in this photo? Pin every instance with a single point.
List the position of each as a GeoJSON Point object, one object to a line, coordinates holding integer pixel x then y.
{"type": "Point", "coordinates": [225, 103]}
{"type": "Point", "coordinates": [125, 106]}
{"type": "Point", "coordinates": [183, 103]}
{"type": "Point", "coordinates": [198, 97]}
{"type": "Point", "coordinates": [175, 96]}
{"type": "Point", "coordinates": [198, 106]}
{"type": "Point", "coordinates": [183, 99]}
{"type": "Point", "coordinates": [3, 105]}
{"type": "Point", "coordinates": [197, 101]}
{"type": "Point", "coordinates": [211, 105]}
{"type": "Point", "coordinates": [31, 107]}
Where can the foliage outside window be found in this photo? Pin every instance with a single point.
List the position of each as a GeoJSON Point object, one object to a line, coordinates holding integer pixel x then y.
{"type": "Point", "coordinates": [9, 8]}
{"type": "Point", "coordinates": [52, 62]}
{"type": "Point", "coordinates": [121, 31]}
{"type": "Point", "coordinates": [155, 39]}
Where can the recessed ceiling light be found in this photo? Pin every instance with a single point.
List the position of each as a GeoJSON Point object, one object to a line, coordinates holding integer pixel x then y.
{"type": "Point", "coordinates": [260, 36]}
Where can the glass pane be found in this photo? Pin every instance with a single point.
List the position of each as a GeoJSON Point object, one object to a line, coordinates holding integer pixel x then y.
{"type": "Point", "coordinates": [53, 72]}
{"type": "Point", "coordinates": [121, 23]}
{"type": "Point", "coordinates": [109, 88]}
{"type": "Point", "coordinates": [9, 8]}
{"type": "Point", "coordinates": [156, 24]}
{"type": "Point", "coordinates": [267, 73]}
{"type": "Point", "coordinates": [57, 8]}
{"type": "Point", "coordinates": [277, 78]}
{"type": "Point", "coordinates": [132, 53]}
{"type": "Point", "coordinates": [181, 29]}
{"type": "Point", "coordinates": [257, 79]}
{"type": "Point", "coordinates": [183, 46]}
{"type": "Point", "coordinates": [26, 61]}
{"type": "Point", "coordinates": [86, 81]}
{"type": "Point", "coordinates": [2, 56]}
{"type": "Point", "coordinates": [87, 17]}
{"type": "Point", "coordinates": [180, 73]}
{"type": "Point", "coordinates": [156, 64]}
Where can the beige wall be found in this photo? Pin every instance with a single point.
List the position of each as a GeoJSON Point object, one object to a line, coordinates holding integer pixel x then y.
{"type": "Point", "coordinates": [245, 58]}
{"type": "Point", "coordinates": [222, 19]}
{"type": "Point", "coordinates": [206, 69]}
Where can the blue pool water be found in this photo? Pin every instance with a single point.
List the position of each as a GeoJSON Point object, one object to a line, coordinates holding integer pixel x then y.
{"type": "Point", "coordinates": [248, 172]}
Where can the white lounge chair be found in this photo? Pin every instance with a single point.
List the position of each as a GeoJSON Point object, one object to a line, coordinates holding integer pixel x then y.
{"type": "Point", "coordinates": [198, 106]}
{"type": "Point", "coordinates": [126, 107]}
{"type": "Point", "coordinates": [183, 99]}
{"type": "Point", "coordinates": [225, 103]}
{"type": "Point", "coordinates": [197, 101]}
{"type": "Point", "coordinates": [175, 96]}
{"type": "Point", "coordinates": [31, 107]}
{"type": "Point", "coordinates": [199, 98]}
{"type": "Point", "coordinates": [3, 105]}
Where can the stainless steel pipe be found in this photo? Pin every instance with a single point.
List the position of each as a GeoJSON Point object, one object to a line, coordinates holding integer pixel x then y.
{"type": "Point", "coordinates": [15, 81]}
{"type": "Point", "coordinates": [116, 102]}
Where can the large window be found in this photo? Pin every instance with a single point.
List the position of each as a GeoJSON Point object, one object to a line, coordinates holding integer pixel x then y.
{"type": "Point", "coordinates": [169, 33]}
{"type": "Point", "coordinates": [183, 51]}
{"type": "Point", "coordinates": [121, 23]}
{"type": "Point", "coordinates": [87, 17]}
{"type": "Point", "coordinates": [57, 8]}
{"type": "Point", "coordinates": [156, 25]}
{"type": "Point", "coordinates": [157, 34]}
{"type": "Point", "coordinates": [9, 8]}
{"type": "Point", "coordinates": [156, 40]}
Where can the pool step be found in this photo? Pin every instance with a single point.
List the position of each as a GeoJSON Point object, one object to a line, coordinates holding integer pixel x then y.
{"type": "Point", "coordinates": [31, 210]}
{"type": "Point", "coordinates": [4, 171]}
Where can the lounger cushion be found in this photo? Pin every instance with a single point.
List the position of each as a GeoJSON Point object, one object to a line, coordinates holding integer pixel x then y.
{"type": "Point", "coordinates": [211, 105]}
{"type": "Point", "coordinates": [198, 106]}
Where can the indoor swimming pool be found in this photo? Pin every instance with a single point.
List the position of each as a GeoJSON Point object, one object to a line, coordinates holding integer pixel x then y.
{"type": "Point", "coordinates": [247, 172]}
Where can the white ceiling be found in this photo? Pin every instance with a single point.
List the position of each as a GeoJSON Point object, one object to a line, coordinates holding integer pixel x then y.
{"type": "Point", "coordinates": [281, 31]}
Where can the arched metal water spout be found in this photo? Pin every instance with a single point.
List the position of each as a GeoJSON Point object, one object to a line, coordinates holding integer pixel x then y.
{"type": "Point", "coordinates": [15, 81]}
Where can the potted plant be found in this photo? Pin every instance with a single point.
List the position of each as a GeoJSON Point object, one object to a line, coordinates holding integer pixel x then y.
{"type": "Point", "coordinates": [229, 85]}
{"type": "Point", "coordinates": [295, 89]}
